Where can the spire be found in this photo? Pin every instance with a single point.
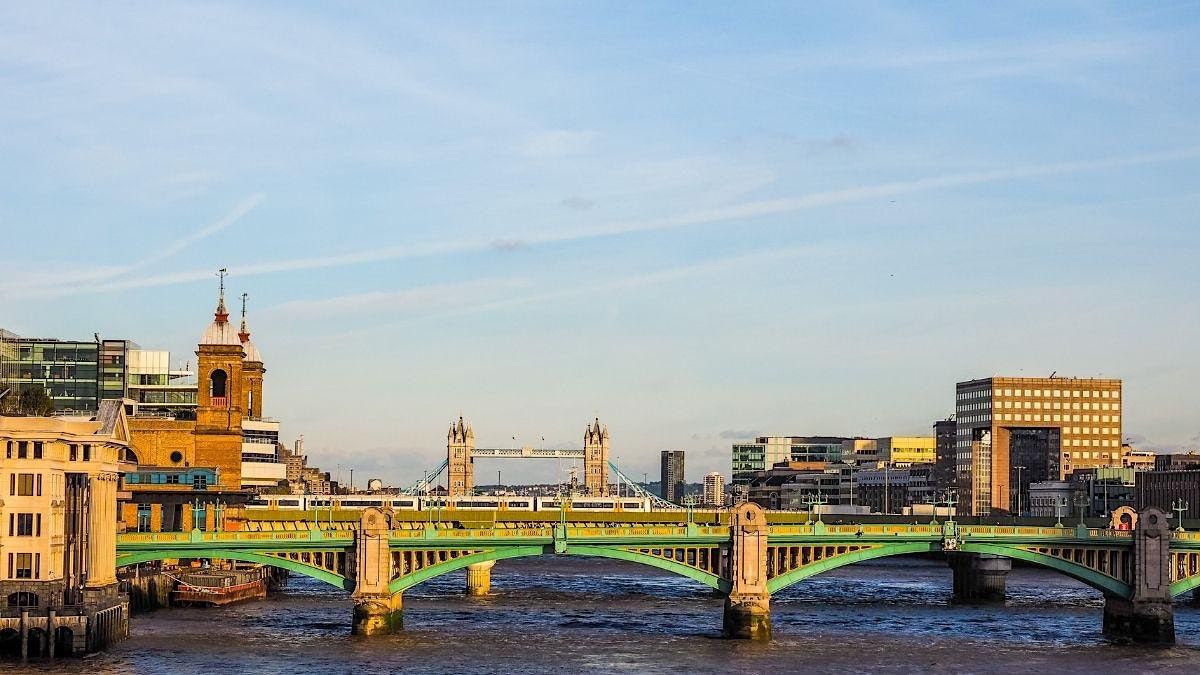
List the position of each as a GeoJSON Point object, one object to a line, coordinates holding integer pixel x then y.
{"type": "Point", "coordinates": [244, 334]}
{"type": "Point", "coordinates": [222, 314]}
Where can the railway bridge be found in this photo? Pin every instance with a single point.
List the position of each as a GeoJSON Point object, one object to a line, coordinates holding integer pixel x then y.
{"type": "Point", "coordinates": [744, 554]}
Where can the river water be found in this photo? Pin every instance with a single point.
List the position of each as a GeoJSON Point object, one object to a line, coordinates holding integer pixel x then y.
{"type": "Point", "coordinates": [554, 615]}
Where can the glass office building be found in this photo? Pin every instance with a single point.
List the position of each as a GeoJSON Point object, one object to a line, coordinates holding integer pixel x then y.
{"type": "Point", "coordinates": [68, 371]}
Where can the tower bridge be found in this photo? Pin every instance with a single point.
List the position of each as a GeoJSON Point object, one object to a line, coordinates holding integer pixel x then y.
{"type": "Point", "coordinates": [461, 454]}
{"type": "Point", "coordinates": [745, 554]}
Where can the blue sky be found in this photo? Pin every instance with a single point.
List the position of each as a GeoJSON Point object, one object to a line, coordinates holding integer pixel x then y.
{"type": "Point", "coordinates": [699, 221]}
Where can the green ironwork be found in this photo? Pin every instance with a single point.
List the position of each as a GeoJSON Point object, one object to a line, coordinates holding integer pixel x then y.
{"type": "Point", "coordinates": [831, 563]}
{"type": "Point", "coordinates": [1187, 585]}
{"type": "Point", "coordinates": [425, 574]}
{"type": "Point", "coordinates": [1097, 580]}
{"type": "Point", "coordinates": [336, 580]}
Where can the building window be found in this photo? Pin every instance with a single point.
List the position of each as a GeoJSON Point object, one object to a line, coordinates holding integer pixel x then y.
{"type": "Point", "coordinates": [21, 485]}
{"type": "Point", "coordinates": [22, 599]}
{"type": "Point", "coordinates": [24, 523]}
{"type": "Point", "coordinates": [24, 566]}
{"type": "Point", "coordinates": [37, 449]}
{"type": "Point", "coordinates": [22, 449]}
{"type": "Point", "coordinates": [74, 452]}
{"type": "Point", "coordinates": [173, 479]}
{"type": "Point", "coordinates": [217, 383]}
{"type": "Point", "coordinates": [200, 482]}
{"type": "Point", "coordinates": [87, 452]}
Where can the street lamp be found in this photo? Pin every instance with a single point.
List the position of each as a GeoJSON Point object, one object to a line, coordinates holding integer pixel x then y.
{"type": "Point", "coordinates": [1060, 507]}
{"type": "Point", "coordinates": [1179, 506]}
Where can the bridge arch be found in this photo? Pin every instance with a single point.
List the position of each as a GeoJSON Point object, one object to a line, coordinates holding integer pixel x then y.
{"type": "Point", "coordinates": [831, 563]}
{"type": "Point", "coordinates": [1097, 580]}
{"type": "Point", "coordinates": [1182, 586]}
{"type": "Point", "coordinates": [1101, 582]}
{"type": "Point", "coordinates": [335, 580]}
{"type": "Point", "coordinates": [615, 553]}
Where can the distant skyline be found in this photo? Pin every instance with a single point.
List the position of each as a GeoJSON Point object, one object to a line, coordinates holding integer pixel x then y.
{"type": "Point", "coordinates": [699, 222]}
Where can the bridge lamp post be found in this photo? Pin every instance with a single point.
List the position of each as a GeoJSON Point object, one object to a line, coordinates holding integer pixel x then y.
{"type": "Point", "coordinates": [1081, 502]}
{"type": "Point", "coordinates": [951, 503]}
{"type": "Point", "coordinates": [1179, 506]}
{"type": "Point", "coordinates": [1060, 507]}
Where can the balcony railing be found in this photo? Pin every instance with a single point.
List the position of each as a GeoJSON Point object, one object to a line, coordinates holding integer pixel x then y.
{"type": "Point", "coordinates": [219, 402]}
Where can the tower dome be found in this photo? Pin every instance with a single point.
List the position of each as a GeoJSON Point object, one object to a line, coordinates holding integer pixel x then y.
{"type": "Point", "coordinates": [220, 331]}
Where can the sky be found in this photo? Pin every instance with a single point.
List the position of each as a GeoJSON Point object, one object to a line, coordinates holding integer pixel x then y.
{"type": "Point", "coordinates": [700, 222]}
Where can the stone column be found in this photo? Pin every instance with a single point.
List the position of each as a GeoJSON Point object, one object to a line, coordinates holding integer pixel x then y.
{"type": "Point", "coordinates": [979, 577]}
{"type": "Point", "coordinates": [50, 629]}
{"type": "Point", "coordinates": [185, 518]}
{"type": "Point", "coordinates": [1147, 616]}
{"type": "Point", "coordinates": [156, 517]}
{"type": "Point", "coordinates": [479, 578]}
{"type": "Point", "coordinates": [102, 530]}
{"type": "Point", "coordinates": [377, 611]}
{"type": "Point", "coordinates": [748, 606]}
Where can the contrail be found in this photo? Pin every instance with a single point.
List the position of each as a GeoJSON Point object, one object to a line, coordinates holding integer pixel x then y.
{"type": "Point", "coordinates": [754, 209]}
{"type": "Point", "coordinates": [70, 286]}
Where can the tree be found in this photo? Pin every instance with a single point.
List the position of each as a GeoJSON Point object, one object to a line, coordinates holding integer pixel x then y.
{"type": "Point", "coordinates": [35, 401]}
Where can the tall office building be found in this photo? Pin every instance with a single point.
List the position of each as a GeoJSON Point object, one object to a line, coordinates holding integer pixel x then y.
{"type": "Point", "coordinates": [1013, 431]}
{"type": "Point", "coordinates": [714, 489]}
{"type": "Point", "coordinates": [944, 473]}
{"type": "Point", "coordinates": [671, 479]}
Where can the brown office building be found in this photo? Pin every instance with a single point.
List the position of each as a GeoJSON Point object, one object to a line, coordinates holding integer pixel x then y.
{"type": "Point", "coordinates": [1013, 431]}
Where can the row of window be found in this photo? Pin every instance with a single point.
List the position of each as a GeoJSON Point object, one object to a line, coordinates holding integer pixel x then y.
{"type": "Point", "coordinates": [1056, 405]}
{"type": "Point", "coordinates": [199, 478]}
{"type": "Point", "coordinates": [24, 524]}
{"type": "Point", "coordinates": [1060, 393]}
{"type": "Point", "coordinates": [24, 565]}
{"type": "Point", "coordinates": [1038, 417]}
{"type": "Point", "coordinates": [23, 450]}
{"type": "Point", "coordinates": [1091, 455]}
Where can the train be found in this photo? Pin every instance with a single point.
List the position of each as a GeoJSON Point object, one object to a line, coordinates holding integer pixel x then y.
{"type": "Point", "coordinates": [419, 503]}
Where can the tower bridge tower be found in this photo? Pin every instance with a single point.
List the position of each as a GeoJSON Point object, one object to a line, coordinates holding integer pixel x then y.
{"type": "Point", "coordinates": [595, 459]}
{"type": "Point", "coordinates": [460, 466]}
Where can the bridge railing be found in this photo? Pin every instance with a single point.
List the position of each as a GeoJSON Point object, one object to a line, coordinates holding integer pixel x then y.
{"type": "Point", "coordinates": [199, 536]}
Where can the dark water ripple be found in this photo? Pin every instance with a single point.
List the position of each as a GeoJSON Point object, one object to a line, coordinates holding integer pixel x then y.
{"type": "Point", "coordinates": [554, 615]}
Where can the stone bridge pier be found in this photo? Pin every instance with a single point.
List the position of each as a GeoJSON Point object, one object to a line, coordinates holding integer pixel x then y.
{"type": "Point", "coordinates": [748, 606]}
{"type": "Point", "coordinates": [479, 578]}
{"type": "Point", "coordinates": [979, 577]}
{"type": "Point", "coordinates": [1147, 615]}
{"type": "Point", "coordinates": [377, 611]}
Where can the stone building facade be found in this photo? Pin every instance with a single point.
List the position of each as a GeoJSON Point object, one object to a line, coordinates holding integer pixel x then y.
{"type": "Point", "coordinates": [58, 524]}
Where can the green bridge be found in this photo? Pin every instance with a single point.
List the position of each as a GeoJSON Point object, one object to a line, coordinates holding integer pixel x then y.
{"type": "Point", "coordinates": [744, 556]}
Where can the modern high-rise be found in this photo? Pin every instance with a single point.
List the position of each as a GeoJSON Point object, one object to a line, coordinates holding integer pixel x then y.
{"type": "Point", "coordinates": [1013, 431]}
{"type": "Point", "coordinates": [714, 489]}
{"type": "Point", "coordinates": [944, 473]}
{"type": "Point", "coordinates": [671, 477]}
